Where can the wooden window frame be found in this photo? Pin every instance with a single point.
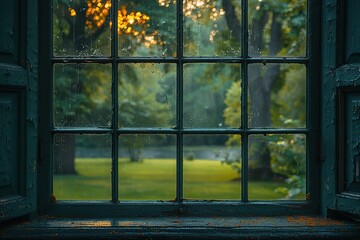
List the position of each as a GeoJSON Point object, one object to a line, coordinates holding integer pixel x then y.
{"type": "Point", "coordinates": [243, 207]}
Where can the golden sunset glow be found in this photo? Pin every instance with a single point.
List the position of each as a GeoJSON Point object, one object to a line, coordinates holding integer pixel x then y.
{"type": "Point", "coordinates": [135, 23]}
{"type": "Point", "coordinates": [130, 23]}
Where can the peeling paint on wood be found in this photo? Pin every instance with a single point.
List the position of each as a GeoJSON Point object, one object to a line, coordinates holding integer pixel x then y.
{"type": "Point", "coordinates": [328, 104]}
{"type": "Point", "coordinates": [335, 79]}
{"type": "Point", "coordinates": [20, 80]}
{"type": "Point", "coordinates": [348, 76]}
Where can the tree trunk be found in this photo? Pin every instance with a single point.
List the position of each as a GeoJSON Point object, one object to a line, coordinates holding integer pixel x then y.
{"type": "Point", "coordinates": [134, 153]}
{"type": "Point", "coordinates": [260, 117]}
{"type": "Point", "coordinates": [259, 85]}
{"type": "Point", "coordinates": [64, 155]}
{"type": "Point", "coordinates": [260, 88]}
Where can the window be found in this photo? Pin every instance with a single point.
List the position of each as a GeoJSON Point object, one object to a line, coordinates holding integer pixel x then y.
{"type": "Point", "coordinates": [33, 142]}
{"type": "Point", "coordinates": [181, 101]}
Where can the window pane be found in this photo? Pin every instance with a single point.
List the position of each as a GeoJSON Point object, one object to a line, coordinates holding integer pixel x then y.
{"type": "Point", "coordinates": [277, 28]}
{"type": "Point", "coordinates": [212, 95]}
{"type": "Point", "coordinates": [81, 28]}
{"type": "Point", "coordinates": [277, 95]}
{"type": "Point", "coordinates": [212, 167]}
{"type": "Point", "coordinates": [82, 95]}
{"type": "Point", "coordinates": [147, 167]}
{"type": "Point", "coordinates": [147, 28]}
{"type": "Point", "coordinates": [212, 28]}
{"type": "Point", "coordinates": [277, 167]}
{"type": "Point", "coordinates": [147, 95]}
{"type": "Point", "coordinates": [82, 167]}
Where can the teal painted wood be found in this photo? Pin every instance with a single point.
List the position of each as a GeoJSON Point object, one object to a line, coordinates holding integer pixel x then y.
{"type": "Point", "coordinates": [348, 75]}
{"type": "Point", "coordinates": [348, 84]}
{"type": "Point", "coordinates": [295, 227]}
{"type": "Point", "coordinates": [115, 117]}
{"type": "Point", "coordinates": [328, 122]}
{"type": "Point", "coordinates": [339, 79]}
{"type": "Point", "coordinates": [18, 86]}
{"type": "Point", "coordinates": [45, 106]}
{"type": "Point", "coordinates": [244, 109]}
{"type": "Point", "coordinates": [32, 101]}
{"type": "Point", "coordinates": [179, 102]}
{"type": "Point", "coordinates": [9, 33]}
{"type": "Point", "coordinates": [313, 103]}
{"type": "Point", "coordinates": [11, 128]}
{"type": "Point", "coordinates": [352, 34]}
{"type": "Point", "coordinates": [186, 208]}
{"type": "Point", "coordinates": [352, 143]}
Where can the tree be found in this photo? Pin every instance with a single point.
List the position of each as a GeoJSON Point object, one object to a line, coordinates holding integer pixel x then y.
{"type": "Point", "coordinates": [82, 28]}
{"type": "Point", "coordinates": [144, 103]}
{"type": "Point", "coordinates": [273, 27]}
{"type": "Point", "coordinates": [81, 98]}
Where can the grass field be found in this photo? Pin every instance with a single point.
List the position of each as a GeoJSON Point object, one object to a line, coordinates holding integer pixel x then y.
{"type": "Point", "coordinates": [155, 180]}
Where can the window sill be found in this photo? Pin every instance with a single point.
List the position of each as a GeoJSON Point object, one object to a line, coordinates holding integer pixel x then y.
{"type": "Point", "coordinates": [304, 226]}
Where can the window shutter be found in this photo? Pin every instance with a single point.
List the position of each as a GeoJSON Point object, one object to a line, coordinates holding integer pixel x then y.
{"type": "Point", "coordinates": [341, 107]}
{"type": "Point", "coordinates": [18, 108]}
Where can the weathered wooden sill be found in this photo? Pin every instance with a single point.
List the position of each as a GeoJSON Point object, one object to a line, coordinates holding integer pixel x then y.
{"type": "Point", "coordinates": [285, 227]}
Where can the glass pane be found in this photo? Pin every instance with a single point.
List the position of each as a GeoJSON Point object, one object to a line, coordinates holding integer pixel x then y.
{"type": "Point", "coordinates": [212, 95]}
{"type": "Point", "coordinates": [147, 95]}
{"type": "Point", "coordinates": [212, 167]}
{"type": "Point", "coordinates": [147, 28]}
{"type": "Point", "coordinates": [212, 28]}
{"type": "Point", "coordinates": [81, 28]}
{"type": "Point", "coordinates": [82, 95]}
{"type": "Point", "coordinates": [277, 28]}
{"type": "Point", "coordinates": [277, 95]}
{"type": "Point", "coordinates": [277, 167]}
{"type": "Point", "coordinates": [147, 167]}
{"type": "Point", "coordinates": [82, 167]}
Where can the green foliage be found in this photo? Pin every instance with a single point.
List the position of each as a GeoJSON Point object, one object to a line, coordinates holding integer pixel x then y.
{"type": "Point", "coordinates": [143, 101]}
{"type": "Point", "coordinates": [288, 158]}
{"type": "Point", "coordinates": [190, 156]}
{"type": "Point", "coordinates": [81, 95]}
{"type": "Point", "coordinates": [288, 154]}
{"type": "Point", "coordinates": [296, 185]}
{"type": "Point", "coordinates": [205, 87]}
{"type": "Point", "coordinates": [292, 16]}
{"type": "Point", "coordinates": [287, 93]}
{"type": "Point", "coordinates": [232, 112]}
{"type": "Point", "coordinates": [235, 164]}
{"type": "Point", "coordinates": [289, 97]}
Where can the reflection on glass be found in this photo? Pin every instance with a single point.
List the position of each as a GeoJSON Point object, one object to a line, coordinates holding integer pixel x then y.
{"type": "Point", "coordinates": [277, 28]}
{"type": "Point", "coordinates": [81, 28]}
{"type": "Point", "coordinates": [147, 29]}
{"type": "Point", "coordinates": [212, 167]}
{"type": "Point", "coordinates": [82, 95]}
{"type": "Point", "coordinates": [277, 95]}
{"type": "Point", "coordinates": [277, 167]}
{"type": "Point", "coordinates": [147, 167]}
{"type": "Point", "coordinates": [147, 95]}
{"type": "Point", "coordinates": [212, 95]}
{"type": "Point", "coordinates": [212, 28]}
{"type": "Point", "coordinates": [82, 167]}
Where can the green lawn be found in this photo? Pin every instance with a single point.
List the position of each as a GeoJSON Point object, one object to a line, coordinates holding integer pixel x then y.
{"type": "Point", "coordinates": [155, 180]}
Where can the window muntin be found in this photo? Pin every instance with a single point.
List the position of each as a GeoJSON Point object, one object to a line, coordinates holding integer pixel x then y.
{"type": "Point", "coordinates": [132, 67]}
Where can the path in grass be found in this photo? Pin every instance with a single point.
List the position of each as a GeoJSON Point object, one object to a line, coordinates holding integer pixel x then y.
{"type": "Point", "coordinates": [155, 180]}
